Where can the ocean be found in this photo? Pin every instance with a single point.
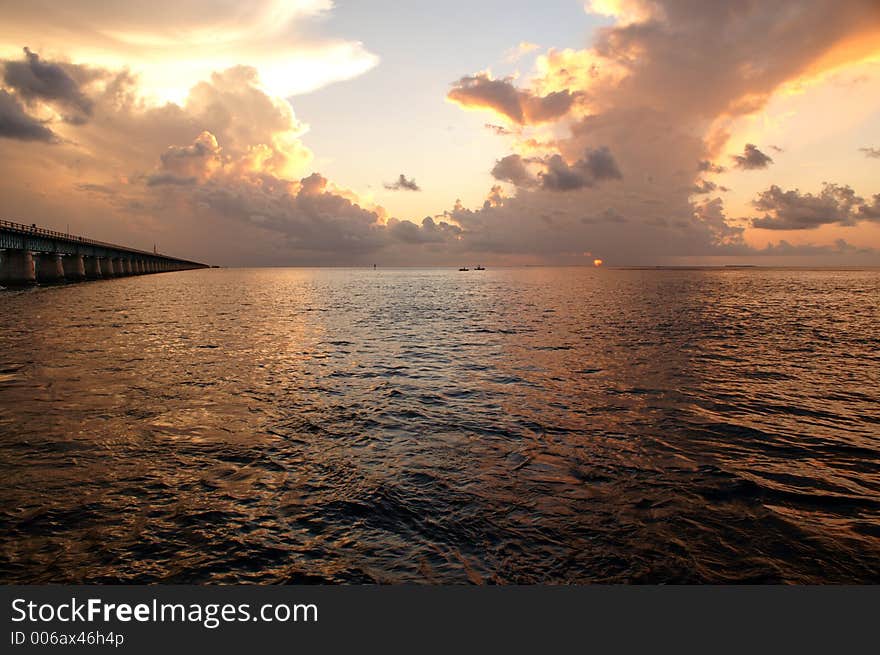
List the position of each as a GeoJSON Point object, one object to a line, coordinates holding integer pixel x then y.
{"type": "Point", "coordinates": [513, 425]}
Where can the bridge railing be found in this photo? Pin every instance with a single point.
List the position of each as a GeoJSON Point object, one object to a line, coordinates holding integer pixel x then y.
{"type": "Point", "coordinates": [41, 231]}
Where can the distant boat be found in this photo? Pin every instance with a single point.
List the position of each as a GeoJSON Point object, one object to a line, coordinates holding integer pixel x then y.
{"type": "Point", "coordinates": [464, 268]}
{"type": "Point", "coordinates": [479, 268]}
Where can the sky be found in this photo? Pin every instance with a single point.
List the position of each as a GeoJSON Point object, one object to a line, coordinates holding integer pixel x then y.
{"type": "Point", "coordinates": [308, 132]}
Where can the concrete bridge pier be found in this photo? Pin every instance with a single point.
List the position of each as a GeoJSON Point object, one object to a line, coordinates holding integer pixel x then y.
{"type": "Point", "coordinates": [92, 267]}
{"type": "Point", "coordinates": [74, 267]}
{"type": "Point", "coordinates": [49, 267]}
{"type": "Point", "coordinates": [126, 266]}
{"type": "Point", "coordinates": [17, 267]}
{"type": "Point", "coordinates": [107, 268]}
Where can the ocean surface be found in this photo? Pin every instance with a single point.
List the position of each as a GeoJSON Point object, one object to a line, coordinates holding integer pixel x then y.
{"type": "Point", "coordinates": [522, 425]}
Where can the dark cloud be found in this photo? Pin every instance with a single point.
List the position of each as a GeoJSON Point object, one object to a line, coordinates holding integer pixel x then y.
{"type": "Point", "coordinates": [596, 165]}
{"type": "Point", "coordinates": [559, 176]}
{"type": "Point", "coordinates": [556, 174]}
{"type": "Point", "coordinates": [36, 79]}
{"type": "Point", "coordinates": [870, 212]}
{"type": "Point", "coordinates": [512, 168]}
{"type": "Point", "coordinates": [752, 158]}
{"type": "Point", "coordinates": [403, 184]}
{"type": "Point", "coordinates": [793, 210]}
{"type": "Point", "coordinates": [874, 153]}
{"type": "Point", "coordinates": [518, 105]}
{"type": "Point", "coordinates": [15, 123]}
{"type": "Point", "coordinates": [703, 186]}
{"type": "Point", "coordinates": [706, 166]}
{"type": "Point", "coordinates": [310, 217]}
{"type": "Point", "coordinates": [430, 231]}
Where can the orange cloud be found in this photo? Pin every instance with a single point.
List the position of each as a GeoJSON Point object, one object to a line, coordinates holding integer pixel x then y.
{"type": "Point", "coordinates": [519, 106]}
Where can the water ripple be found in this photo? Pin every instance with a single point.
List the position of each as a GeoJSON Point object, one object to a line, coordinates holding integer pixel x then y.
{"type": "Point", "coordinates": [516, 426]}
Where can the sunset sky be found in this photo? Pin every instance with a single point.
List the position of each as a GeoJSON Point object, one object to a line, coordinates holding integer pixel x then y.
{"type": "Point", "coordinates": [311, 132]}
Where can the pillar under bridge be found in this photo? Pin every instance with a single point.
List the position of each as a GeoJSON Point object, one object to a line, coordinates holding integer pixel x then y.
{"type": "Point", "coordinates": [49, 267]}
{"type": "Point", "coordinates": [107, 267]}
{"type": "Point", "coordinates": [74, 267]}
{"type": "Point", "coordinates": [93, 268]}
{"type": "Point", "coordinates": [17, 267]}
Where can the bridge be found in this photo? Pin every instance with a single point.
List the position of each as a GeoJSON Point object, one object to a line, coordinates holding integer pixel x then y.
{"type": "Point", "coordinates": [31, 254]}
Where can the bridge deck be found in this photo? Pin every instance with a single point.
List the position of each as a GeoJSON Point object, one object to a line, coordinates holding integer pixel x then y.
{"type": "Point", "coordinates": [17, 236]}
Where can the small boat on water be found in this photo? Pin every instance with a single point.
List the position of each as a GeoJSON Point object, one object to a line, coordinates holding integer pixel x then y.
{"type": "Point", "coordinates": [464, 268]}
{"type": "Point", "coordinates": [479, 268]}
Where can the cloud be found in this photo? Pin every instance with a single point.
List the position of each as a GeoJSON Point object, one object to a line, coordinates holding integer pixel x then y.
{"type": "Point", "coordinates": [870, 212]}
{"type": "Point", "coordinates": [873, 153]}
{"type": "Point", "coordinates": [482, 92]}
{"type": "Point", "coordinates": [704, 186]}
{"type": "Point", "coordinates": [403, 184]}
{"type": "Point", "coordinates": [706, 166]}
{"type": "Point", "coordinates": [751, 159]}
{"type": "Point", "coordinates": [512, 168]}
{"type": "Point", "coordinates": [171, 45]}
{"type": "Point", "coordinates": [660, 89]}
{"type": "Point", "coordinates": [224, 176]}
{"type": "Point", "coordinates": [222, 165]}
{"type": "Point", "coordinates": [793, 210]}
{"type": "Point", "coordinates": [429, 232]}
{"type": "Point", "coordinates": [187, 164]}
{"type": "Point", "coordinates": [222, 173]}
{"type": "Point", "coordinates": [596, 165]}
{"type": "Point", "coordinates": [786, 249]}
{"type": "Point", "coordinates": [555, 174]}
{"type": "Point", "coordinates": [309, 213]}
{"type": "Point", "coordinates": [35, 79]}
{"type": "Point", "coordinates": [15, 123]}
{"type": "Point", "coordinates": [521, 50]}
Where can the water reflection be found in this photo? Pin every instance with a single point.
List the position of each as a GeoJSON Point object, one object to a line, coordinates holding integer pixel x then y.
{"type": "Point", "coordinates": [523, 425]}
